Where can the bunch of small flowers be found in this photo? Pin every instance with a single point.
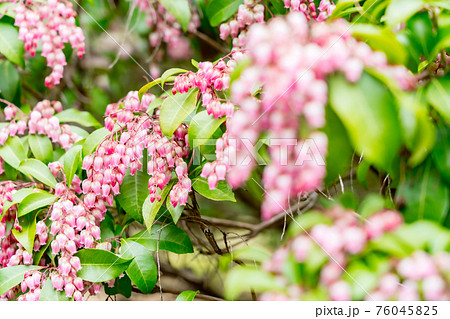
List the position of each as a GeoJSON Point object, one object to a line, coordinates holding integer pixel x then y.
{"type": "Point", "coordinates": [41, 120]}
{"type": "Point", "coordinates": [347, 236]}
{"type": "Point", "coordinates": [291, 59]}
{"type": "Point", "coordinates": [52, 23]}
{"type": "Point", "coordinates": [308, 8]}
{"type": "Point", "coordinates": [249, 13]}
{"type": "Point", "coordinates": [209, 79]}
{"type": "Point", "coordinates": [166, 29]}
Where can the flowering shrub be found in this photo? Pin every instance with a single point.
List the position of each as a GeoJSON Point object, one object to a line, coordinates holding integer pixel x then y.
{"type": "Point", "coordinates": [328, 117]}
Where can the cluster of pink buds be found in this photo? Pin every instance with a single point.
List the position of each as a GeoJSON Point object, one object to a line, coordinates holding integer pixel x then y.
{"type": "Point", "coordinates": [347, 236]}
{"type": "Point", "coordinates": [41, 120]}
{"type": "Point", "coordinates": [52, 23]}
{"type": "Point", "coordinates": [308, 8]}
{"type": "Point", "coordinates": [291, 59]}
{"type": "Point", "coordinates": [216, 171]}
{"type": "Point", "coordinates": [209, 79]}
{"type": "Point", "coordinates": [31, 286]}
{"type": "Point", "coordinates": [249, 13]}
{"type": "Point", "coordinates": [166, 29]}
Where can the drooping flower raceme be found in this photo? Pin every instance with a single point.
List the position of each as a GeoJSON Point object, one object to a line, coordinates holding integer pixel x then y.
{"type": "Point", "coordinates": [52, 24]}
{"type": "Point", "coordinates": [309, 9]}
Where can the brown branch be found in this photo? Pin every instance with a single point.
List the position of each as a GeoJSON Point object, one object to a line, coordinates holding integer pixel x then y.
{"type": "Point", "coordinates": [210, 41]}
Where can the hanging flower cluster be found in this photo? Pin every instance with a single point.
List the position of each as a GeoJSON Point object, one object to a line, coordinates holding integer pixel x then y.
{"type": "Point", "coordinates": [249, 13]}
{"type": "Point", "coordinates": [309, 9]}
{"type": "Point", "coordinates": [138, 130]}
{"type": "Point", "coordinates": [346, 237]}
{"type": "Point", "coordinates": [52, 23]}
{"type": "Point", "coordinates": [291, 59]}
{"type": "Point", "coordinates": [166, 29]}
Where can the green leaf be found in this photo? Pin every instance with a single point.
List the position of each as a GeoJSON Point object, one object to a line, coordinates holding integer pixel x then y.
{"type": "Point", "coordinates": [94, 140]}
{"type": "Point", "coordinates": [72, 162]}
{"type": "Point", "coordinates": [13, 275]}
{"type": "Point", "coordinates": [438, 95]}
{"type": "Point", "coordinates": [382, 39]}
{"type": "Point", "coordinates": [80, 117]}
{"type": "Point", "coordinates": [244, 279]}
{"type": "Point", "coordinates": [170, 237]}
{"type": "Point", "coordinates": [187, 295]}
{"type": "Point", "coordinates": [38, 170]}
{"type": "Point", "coordinates": [171, 72]}
{"type": "Point", "coordinates": [202, 128]}
{"type": "Point", "coordinates": [17, 197]}
{"type": "Point", "coordinates": [142, 270]}
{"type": "Point", "coordinates": [13, 152]}
{"type": "Point", "coordinates": [98, 265]}
{"type": "Point", "coordinates": [26, 236]}
{"type": "Point", "coordinates": [175, 109]}
{"type": "Point", "coordinates": [371, 204]}
{"type": "Point", "coordinates": [369, 113]}
{"type": "Point", "coordinates": [149, 209]}
{"type": "Point", "coordinates": [42, 148]}
{"type": "Point", "coordinates": [121, 286]}
{"type": "Point", "coordinates": [401, 10]}
{"type": "Point", "coordinates": [220, 10]}
{"type": "Point", "coordinates": [222, 192]}
{"type": "Point", "coordinates": [441, 152]}
{"type": "Point", "coordinates": [180, 10]}
{"type": "Point", "coordinates": [133, 192]}
{"type": "Point", "coordinates": [10, 45]}
{"type": "Point", "coordinates": [147, 87]}
{"type": "Point", "coordinates": [425, 193]}
{"type": "Point", "coordinates": [175, 212]}
{"type": "Point", "coordinates": [155, 104]}
{"type": "Point", "coordinates": [35, 201]}
{"type": "Point", "coordinates": [9, 80]}
{"type": "Point", "coordinates": [48, 293]}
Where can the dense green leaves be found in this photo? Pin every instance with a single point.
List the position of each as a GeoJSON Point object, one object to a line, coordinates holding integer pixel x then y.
{"type": "Point", "coordinates": [12, 276]}
{"type": "Point", "coordinates": [35, 201]}
{"type": "Point", "coordinates": [10, 45]}
{"type": "Point", "coordinates": [81, 117]}
{"type": "Point", "coordinates": [9, 80]}
{"type": "Point", "coordinates": [222, 192]}
{"type": "Point", "coordinates": [202, 128]}
{"type": "Point", "coordinates": [99, 265]}
{"type": "Point", "coordinates": [180, 10]}
{"type": "Point", "coordinates": [42, 148]}
{"type": "Point", "coordinates": [369, 113]}
{"type": "Point", "coordinates": [13, 152]}
{"type": "Point", "coordinates": [400, 10]}
{"type": "Point", "coordinates": [175, 109]}
{"type": "Point", "coordinates": [187, 295]}
{"type": "Point", "coordinates": [142, 270]}
{"type": "Point", "coordinates": [72, 162]}
{"type": "Point", "coordinates": [26, 236]}
{"type": "Point", "coordinates": [438, 95]}
{"type": "Point", "coordinates": [170, 237]}
{"type": "Point", "coordinates": [149, 209]}
{"type": "Point", "coordinates": [133, 192]}
{"type": "Point", "coordinates": [220, 10]}
{"type": "Point", "coordinates": [37, 170]}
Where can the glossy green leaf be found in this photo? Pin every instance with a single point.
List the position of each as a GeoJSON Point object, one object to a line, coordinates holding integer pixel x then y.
{"type": "Point", "coordinates": [81, 117]}
{"type": "Point", "coordinates": [441, 152]}
{"type": "Point", "coordinates": [202, 128]}
{"type": "Point", "coordinates": [369, 113]}
{"type": "Point", "coordinates": [17, 197]}
{"type": "Point", "coordinates": [98, 265]}
{"type": "Point", "coordinates": [133, 192]}
{"type": "Point", "coordinates": [37, 170]}
{"type": "Point", "coordinates": [121, 286]}
{"type": "Point", "coordinates": [72, 162]}
{"type": "Point", "coordinates": [220, 10]}
{"type": "Point", "coordinates": [180, 10]}
{"type": "Point", "coordinates": [149, 209]}
{"type": "Point", "coordinates": [48, 293]}
{"type": "Point", "coordinates": [13, 275]}
{"type": "Point", "coordinates": [42, 148]}
{"type": "Point", "coordinates": [223, 192]}
{"type": "Point", "coordinates": [170, 72]}
{"type": "Point", "coordinates": [35, 201]}
{"type": "Point", "coordinates": [438, 95]}
{"type": "Point", "coordinates": [142, 270]}
{"type": "Point", "coordinates": [10, 45]}
{"type": "Point", "coordinates": [175, 212]}
{"type": "Point", "coordinates": [187, 295]}
{"type": "Point", "coordinates": [170, 237]}
{"type": "Point", "coordinates": [175, 109]}
{"type": "Point", "coordinates": [26, 236]}
{"type": "Point", "coordinates": [9, 80]}
{"type": "Point", "coordinates": [400, 10]}
{"type": "Point", "coordinates": [94, 140]}
{"type": "Point", "coordinates": [13, 152]}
